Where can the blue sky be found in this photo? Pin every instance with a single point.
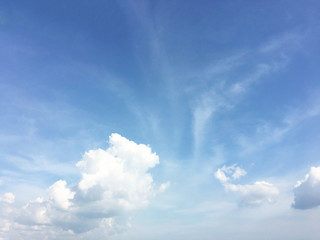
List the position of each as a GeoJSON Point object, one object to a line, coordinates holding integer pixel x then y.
{"type": "Point", "coordinates": [159, 119]}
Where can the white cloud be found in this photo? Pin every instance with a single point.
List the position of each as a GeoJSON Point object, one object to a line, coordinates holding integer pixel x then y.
{"type": "Point", "coordinates": [60, 195]}
{"type": "Point", "coordinates": [238, 172]}
{"type": "Point", "coordinates": [307, 190]}
{"type": "Point", "coordinates": [233, 171]}
{"type": "Point", "coordinates": [255, 193]}
{"type": "Point", "coordinates": [118, 178]}
{"type": "Point", "coordinates": [4, 225]}
{"type": "Point", "coordinates": [221, 176]}
{"type": "Point", "coordinates": [163, 187]}
{"type": "Point", "coordinates": [113, 183]}
{"type": "Point", "coordinates": [7, 198]}
{"type": "Point", "coordinates": [6, 212]}
{"type": "Point", "coordinates": [35, 212]}
{"type": "Point", "coordinates": [251, 194]}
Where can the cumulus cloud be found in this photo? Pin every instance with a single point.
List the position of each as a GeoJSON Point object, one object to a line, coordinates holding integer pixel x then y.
{"type": "Point", "coordinates": [7, 198]}
{"type": "Point", "coordinates": [117, 177]}
{"type": "Point", "coordinates": [251, 194]}
{"type": "Point", "coordinates": [234, 171]}
{"type": "Point", "coordinates": [307, 190]}
{"type": "Point", "coordinates": [113, 183]}
{"type": "Point", "coordinates": [6, 212]}
{"type": "Point", "coordinates": [255, 193]}
{"type": "Point", "coordinates": [60, 195]}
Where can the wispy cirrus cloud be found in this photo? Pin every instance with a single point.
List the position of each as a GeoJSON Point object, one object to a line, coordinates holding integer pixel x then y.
{"type": "Point", "coordinates": [219, 89]}
{"type": "Point", "coordinates": [222, 97]}
{"type": "Point", "coordinates": [286, 42]}
{"type": "Point", "coordinates": [267, 134]}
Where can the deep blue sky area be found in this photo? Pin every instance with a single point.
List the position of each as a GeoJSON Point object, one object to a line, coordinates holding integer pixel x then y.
{"type": "Point", "coordinates": [159, 119]}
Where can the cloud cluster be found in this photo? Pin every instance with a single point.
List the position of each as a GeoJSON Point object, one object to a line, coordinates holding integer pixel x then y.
{"type": "Point", "coordinates": [113, 182]}
{"type": "Point", "coordinates": [307, 190]}
{"type": "Point", "coordinates": [251, 194]}
{"type": "Point", "coordinates": [6, 212]}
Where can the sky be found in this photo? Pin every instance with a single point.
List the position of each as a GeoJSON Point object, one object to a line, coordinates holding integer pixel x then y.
{"type": "Point", "coordinates": [159, 119]}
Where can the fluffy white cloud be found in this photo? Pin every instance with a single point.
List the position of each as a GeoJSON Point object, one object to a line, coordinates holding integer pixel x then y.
{"type": "Point", "coordinates": [255, 193]}
{"type": "Point", "coordinates": [307, 190]}
{"type": "Point", "coordinates": [7, 198]}
{"type": "Point", "coordinates": [234, 171]}
{"type": "Point", "coordinates": [251, 194]}
{"type": "Point", "coordinates": [35, 212]}
{"type": "Point", "coordinates": [59, 195]}
{"type": "Point", "coordinates": [113, 182]}
{"type": "Point", "coordinates": [6, 212]}
{"type": "Point", "coordinates": [117, 178]}
{"type": "Point", "coordinates": [221, 176]}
